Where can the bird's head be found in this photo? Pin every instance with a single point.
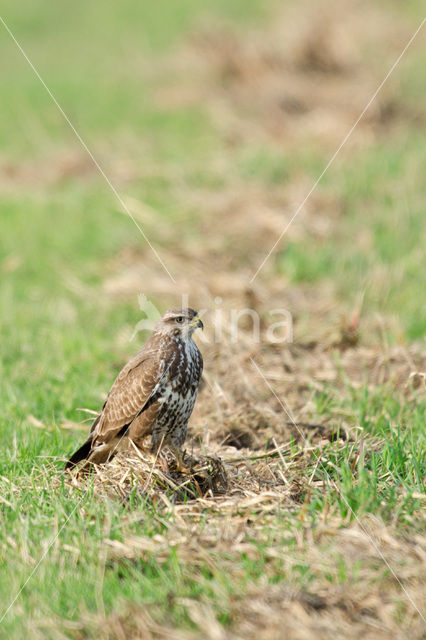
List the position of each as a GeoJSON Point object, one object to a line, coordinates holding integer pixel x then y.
{"type": "Point", "coordinates": [179, 322]}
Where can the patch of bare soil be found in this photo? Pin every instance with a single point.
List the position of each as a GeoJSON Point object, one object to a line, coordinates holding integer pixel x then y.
{"type": "Point", "coordinates": [64, 166]}
{"type": "Point", "coordinates": [58, 167]}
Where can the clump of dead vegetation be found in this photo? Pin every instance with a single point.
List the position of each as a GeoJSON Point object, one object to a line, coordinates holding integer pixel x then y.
{"type": "Point", "coordinates": [223, 481]}
{"type": "Point", "coordinates": [131, 473]}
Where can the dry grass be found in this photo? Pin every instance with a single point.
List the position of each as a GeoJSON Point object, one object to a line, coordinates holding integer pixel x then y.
{"type": "Point", "coordinates": [322, 612]}
{"type": "Point", "coordinates": [353, 595]}
{"type": "Point", "coordinates": [241, 489]}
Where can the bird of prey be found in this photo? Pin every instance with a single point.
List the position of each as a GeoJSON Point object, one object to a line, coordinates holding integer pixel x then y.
{"type": "Point", "coordinates": [154, 394]}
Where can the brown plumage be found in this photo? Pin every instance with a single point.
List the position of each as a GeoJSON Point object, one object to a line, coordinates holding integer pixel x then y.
{"type": "Point", "coordinates": [154, 394]}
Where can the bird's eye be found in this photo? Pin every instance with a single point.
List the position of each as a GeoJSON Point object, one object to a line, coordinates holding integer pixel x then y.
{"type": "Point", "coordinates": [179, 319]}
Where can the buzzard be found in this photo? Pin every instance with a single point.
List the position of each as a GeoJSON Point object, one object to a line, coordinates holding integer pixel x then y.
{"type": "Point", "coordinates": [154, 394]}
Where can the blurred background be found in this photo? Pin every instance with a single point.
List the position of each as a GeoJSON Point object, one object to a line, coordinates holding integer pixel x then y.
{"type": "Point", "coordinates": [212, 121]}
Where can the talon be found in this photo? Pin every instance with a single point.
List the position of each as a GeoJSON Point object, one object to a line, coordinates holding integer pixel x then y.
{"type": "Point", "coordinates": [180, 465]}
{"type": "Point", "coordinates": [181, 468]}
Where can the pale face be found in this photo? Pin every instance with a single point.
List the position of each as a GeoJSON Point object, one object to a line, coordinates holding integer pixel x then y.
{"type": "Point", "coordinates": [180, 322]}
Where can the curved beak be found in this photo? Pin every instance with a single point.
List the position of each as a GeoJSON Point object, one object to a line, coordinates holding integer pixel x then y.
{"type": "Point", "coordinates": [200, 324]}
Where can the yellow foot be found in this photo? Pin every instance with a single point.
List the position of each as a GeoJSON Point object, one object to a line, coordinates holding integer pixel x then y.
{"type": "Point", "coordinates": [180, 468]}
{"type": "Point", "coordinates": [180, 465]}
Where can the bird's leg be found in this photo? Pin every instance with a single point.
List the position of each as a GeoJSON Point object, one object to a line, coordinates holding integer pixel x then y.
{"type": "Point", "coordinates": [180, 466]}
{"type": "Point", "coordinates": [157, 453]}
{"type": "Point", "coordinates": [162, 463]}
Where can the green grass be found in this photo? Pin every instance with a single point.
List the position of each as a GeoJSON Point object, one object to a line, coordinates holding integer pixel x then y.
{"type": "Point", "coordinates": [60, 345]}
{"type": "Point", "coordinates": [377, 246]}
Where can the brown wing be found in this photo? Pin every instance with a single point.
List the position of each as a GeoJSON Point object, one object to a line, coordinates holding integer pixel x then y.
{"type": "Point", "coordinates": [132, 391]}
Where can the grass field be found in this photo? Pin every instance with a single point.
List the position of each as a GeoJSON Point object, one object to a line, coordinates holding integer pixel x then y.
{"type": "Point", "coordinates": [212, 121]}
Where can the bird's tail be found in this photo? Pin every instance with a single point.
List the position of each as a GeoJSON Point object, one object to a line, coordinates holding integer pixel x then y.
{"type": "Point", "coordinates": [80, 454]}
